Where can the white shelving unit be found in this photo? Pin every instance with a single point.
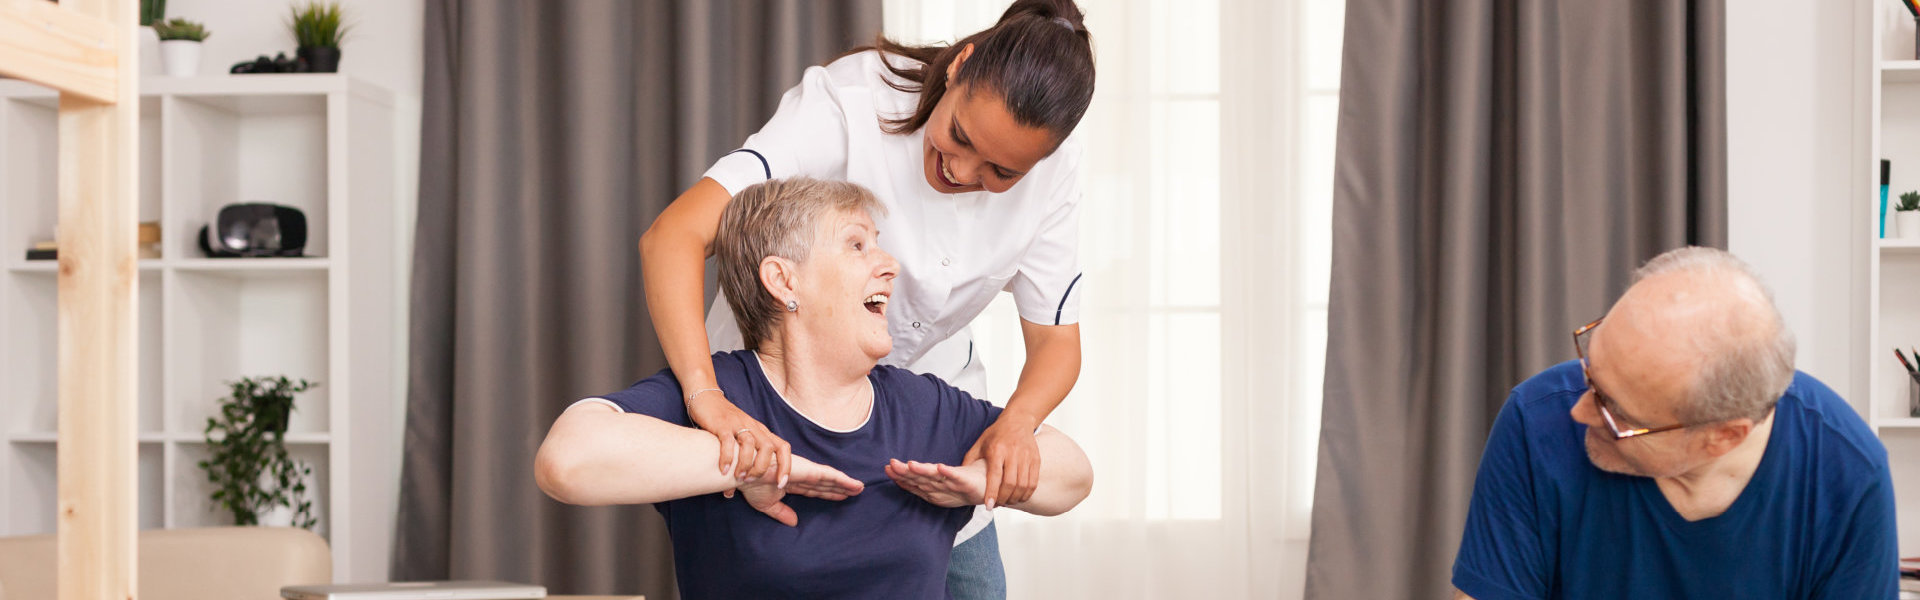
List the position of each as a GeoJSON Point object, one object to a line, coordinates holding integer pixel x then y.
{"type": "Point", "coordinates": [1893, 264]}
{"type": "Point", "coordinates": [320, 143]}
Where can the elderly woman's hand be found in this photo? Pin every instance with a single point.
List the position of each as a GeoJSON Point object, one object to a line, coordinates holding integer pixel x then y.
{"type": "Point", "coordinates": [810, 479]}
{"type": "Point", "coordinates": [747, 449]}
{"type": "Point", "coordinates": [1012, 459]}
{"type": "Point", "coordinates": [946, 486]}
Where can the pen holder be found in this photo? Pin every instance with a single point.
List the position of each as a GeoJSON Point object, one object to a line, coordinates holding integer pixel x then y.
{"type": "Point", "coordinates": [1913, 397]}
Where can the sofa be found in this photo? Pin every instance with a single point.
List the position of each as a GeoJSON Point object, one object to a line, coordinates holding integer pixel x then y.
{"type": "Point", "coordinates": [216, 563]}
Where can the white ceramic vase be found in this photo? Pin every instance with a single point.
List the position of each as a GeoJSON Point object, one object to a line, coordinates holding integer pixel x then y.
{"type": "Point", "coordinates": [1908, 224]}
{"type": "Point", "coordinates": [181, 57]}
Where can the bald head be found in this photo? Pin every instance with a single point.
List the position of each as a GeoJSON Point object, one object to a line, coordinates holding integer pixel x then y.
{"type": "Point", "coordinates": [1700, 327]}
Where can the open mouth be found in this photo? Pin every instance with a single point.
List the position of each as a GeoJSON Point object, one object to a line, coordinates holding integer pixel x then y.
{"type": "Point", "coordinates": [877, 304]}
{"type": "Point", "coordinates": [946, 177]}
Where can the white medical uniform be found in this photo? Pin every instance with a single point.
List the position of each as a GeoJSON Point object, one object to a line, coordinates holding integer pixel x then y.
{"type": "Point", "coordinates": [956, 251]}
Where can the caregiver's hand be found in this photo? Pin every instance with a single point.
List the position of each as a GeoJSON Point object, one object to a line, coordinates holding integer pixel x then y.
{"type": "Point", "coordinates": [945, 486]}
{"type": "Point", "coordinates": [747, 450]}
{"type": "Point", "coordinates": [810, 479]}
{"type": "Point", "coordinates": [1012, 459]}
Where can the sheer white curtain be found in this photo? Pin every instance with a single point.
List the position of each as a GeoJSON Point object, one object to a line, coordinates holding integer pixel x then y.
{"type": "Point", "coordinates": [1205, 242]}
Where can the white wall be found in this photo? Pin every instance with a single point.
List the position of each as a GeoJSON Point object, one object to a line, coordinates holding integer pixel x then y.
{"type": "Point", "coordinates": [384, 48]}
{"type": "Point", "coordinates": [1797, 172]}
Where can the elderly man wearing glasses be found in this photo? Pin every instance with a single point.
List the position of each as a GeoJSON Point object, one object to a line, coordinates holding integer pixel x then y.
{"type": "Point", "coordinates": [1680, 457]}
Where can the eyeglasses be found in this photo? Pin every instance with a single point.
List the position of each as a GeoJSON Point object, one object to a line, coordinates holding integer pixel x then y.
{"type": "Point", "coordinates": [1600, 400]}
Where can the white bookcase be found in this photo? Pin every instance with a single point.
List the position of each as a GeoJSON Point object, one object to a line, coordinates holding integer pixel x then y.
{"type": "Point", "coordinates": [1893, 264]}
{"type": "Point", "coordinates": [320, 143]}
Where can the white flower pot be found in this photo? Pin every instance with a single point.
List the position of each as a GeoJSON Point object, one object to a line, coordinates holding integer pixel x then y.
{"type": "Point", "coordinates": [1908, 222]}
{"type": "Point", "coordinates": [281, 516]}
{"type": "Point", "coordinates": [181, 57]}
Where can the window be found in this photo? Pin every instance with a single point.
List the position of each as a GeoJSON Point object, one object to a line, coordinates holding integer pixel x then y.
{"type": "Point", "coordinates": [1206, 242]}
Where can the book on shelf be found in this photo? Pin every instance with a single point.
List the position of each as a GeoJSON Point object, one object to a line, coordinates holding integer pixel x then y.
{"type": "Point", "coordinates": [148, 244]}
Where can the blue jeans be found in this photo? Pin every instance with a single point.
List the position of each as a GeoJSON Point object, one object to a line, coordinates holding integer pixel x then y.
{"type": "Point", "coordinates": [975, 572]}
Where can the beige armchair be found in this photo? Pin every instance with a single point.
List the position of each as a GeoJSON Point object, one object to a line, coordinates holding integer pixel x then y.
{"type": "Point", "coordinates": [218, 563]}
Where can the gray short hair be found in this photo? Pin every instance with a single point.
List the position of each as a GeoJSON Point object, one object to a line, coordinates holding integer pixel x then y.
{"type": "Point", "coordinates": [1743, 371]}
{"type": "Point", "coordinates": [778, 217]}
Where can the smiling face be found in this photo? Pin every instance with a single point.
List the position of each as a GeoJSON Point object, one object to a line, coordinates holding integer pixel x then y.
{"type": "Point", "coordinates": [844, 286]}
{"type": "Point", "coordinates": [973, 143]}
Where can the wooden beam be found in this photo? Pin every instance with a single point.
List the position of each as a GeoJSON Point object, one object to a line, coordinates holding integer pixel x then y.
{"type": "Point", "coordinates": [98, 318]}
{"type": "Point", "coordinates": [58, 48]}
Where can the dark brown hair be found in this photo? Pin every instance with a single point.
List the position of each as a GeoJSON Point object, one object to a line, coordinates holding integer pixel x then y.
{"type": "Point", "coordinates": [1038, 57]}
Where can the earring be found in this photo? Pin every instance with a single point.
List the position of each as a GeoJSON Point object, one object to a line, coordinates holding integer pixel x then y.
{"type": "Point", "coordinates": [793, 306]}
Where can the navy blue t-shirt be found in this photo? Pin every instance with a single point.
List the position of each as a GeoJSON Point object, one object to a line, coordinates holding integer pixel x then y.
{"type": "Point", "coordinates": [883, 543]}
{"type": "Point", "coordinates": [1815, 521]}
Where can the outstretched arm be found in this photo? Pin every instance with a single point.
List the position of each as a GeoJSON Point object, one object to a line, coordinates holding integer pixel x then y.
{"type": "Point", "coordinates": [1065, 478]}
{"type": "Point", "coordinates": [595, 455]}
{"type": "Point", "coordinates": [673, 256]}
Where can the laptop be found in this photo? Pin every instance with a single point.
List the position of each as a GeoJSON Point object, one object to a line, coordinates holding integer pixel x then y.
{"type": "Point", "coordinates": [416, 590]}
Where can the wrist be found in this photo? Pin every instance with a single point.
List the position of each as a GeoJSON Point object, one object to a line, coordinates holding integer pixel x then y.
{"type": "Point", "coordinates": [1011, 417]}
{"type": "Point", "coordinates": [703, 392]}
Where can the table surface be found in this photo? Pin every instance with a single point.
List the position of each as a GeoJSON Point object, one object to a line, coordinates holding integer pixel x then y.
{"type": "Point", "coordinates": [596, 598]}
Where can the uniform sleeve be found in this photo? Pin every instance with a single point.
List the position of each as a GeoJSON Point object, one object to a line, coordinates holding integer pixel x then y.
{"type": "Point", "coordinates": [806, 136]}
{"type": "Point", "coordinates": [1502, 555]}
{"type": "Point", "coordinates": [657, 396]}
{"type": "Point", "coordinates": [1046, 287]}
{"type": "Point", "coordinates": [1868, 564]}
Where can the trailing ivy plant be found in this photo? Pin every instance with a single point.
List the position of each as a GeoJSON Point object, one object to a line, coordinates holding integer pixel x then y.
{"type": "Point", "coordinates": [249, 464]}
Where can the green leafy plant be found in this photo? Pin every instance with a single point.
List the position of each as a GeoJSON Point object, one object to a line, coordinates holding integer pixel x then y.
{"type": "Point", "coordinates": [1908, 201]}
{"type": "Point", "coordinates": [249, 464]}
{"type": "Point", "coordinates": [318, 25]}
{"type": "Point", "coordinates": [152, 11]}
{"type": "Point", "coordinates": [181, 29]}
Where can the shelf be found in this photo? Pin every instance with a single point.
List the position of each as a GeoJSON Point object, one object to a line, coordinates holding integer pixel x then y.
{"type": "Point", "coordinates": [217, 265]}
{"type": "Point", "coordinates": [1898, 246]}
{"type": "Point", "coordinates": [1899, 71]}
{"type": "Point", "coordinates": [1900, 423]}
{"type": "Point", "coordinates": [50, 266]}
{"type": "Point", "coordinates": [321, 143]}
{"type": "Point", "coordinates": [248, 94]}
{"type": "Point", "coordinates": [154, 437]}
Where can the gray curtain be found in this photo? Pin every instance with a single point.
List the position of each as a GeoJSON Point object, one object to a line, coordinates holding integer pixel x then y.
{"type": "Point", "coordinates": [1502, 167]}
{"type": "Point", "coordinates": [552, 134]}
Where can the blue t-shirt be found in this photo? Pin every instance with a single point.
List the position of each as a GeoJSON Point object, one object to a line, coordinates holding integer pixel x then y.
{"type": "Point", "coordinates": [883, 543]}
{"type": "Point", "coordinates": [1815, 521]}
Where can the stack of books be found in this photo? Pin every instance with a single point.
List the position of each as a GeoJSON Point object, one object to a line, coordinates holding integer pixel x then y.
{"type": "Point", "coordinates": [149, 244]}
{"type": "Point", "coordinates": [1910, 577]}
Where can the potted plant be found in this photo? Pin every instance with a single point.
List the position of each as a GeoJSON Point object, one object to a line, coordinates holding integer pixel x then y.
{"type": "Point", "coordinates": [152, 11]}
{"type": "Point", "coordinates": [248, 463]}
{"type": "Point", "coordinates": [1906, 216]}
{"type": "Point", "coordinates": [180, 45]}
{"type": "Point", "coordinates": [318, 28]}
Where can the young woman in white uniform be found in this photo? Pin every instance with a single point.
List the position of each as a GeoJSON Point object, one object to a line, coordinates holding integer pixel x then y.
{"type": "Point", "coordinates": [971, 147]}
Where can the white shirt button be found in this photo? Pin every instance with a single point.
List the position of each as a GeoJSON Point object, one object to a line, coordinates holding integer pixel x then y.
{"type": "Point", "coordinates": [946, 262]}
{"type": "Point", "coordinates": [916, 324]}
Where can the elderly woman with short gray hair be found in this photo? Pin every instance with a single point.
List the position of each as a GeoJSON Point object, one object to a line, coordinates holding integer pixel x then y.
{"type": "Point", "coordinates": [877, 491]}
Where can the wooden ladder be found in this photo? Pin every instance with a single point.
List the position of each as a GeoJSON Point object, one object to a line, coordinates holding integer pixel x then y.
{"type": "Point", "coordinates": [88, 50]}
